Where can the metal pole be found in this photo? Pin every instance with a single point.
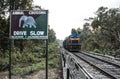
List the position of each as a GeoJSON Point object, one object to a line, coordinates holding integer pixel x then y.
{"type": "Point", "coordinates": [10, 49]}
{"type": "Point", "coordinates": [68, 73]}
{"type": "Point", "coordinates": [46, 58]}
{"type": "Point", "coordinates": [10, 61]}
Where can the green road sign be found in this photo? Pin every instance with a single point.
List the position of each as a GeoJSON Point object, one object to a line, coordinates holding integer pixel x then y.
{"type": "Point", "coordinates": [29, 24]}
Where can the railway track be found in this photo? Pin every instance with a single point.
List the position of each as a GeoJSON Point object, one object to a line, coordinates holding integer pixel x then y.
{"type": "Point", "coordinates": [71, 67]}
{"type": "Point", "coordinates": [106, 67]}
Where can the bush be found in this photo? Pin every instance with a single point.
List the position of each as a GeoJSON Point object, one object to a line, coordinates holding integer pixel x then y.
{"type": "Point", "coordinates": [28, 69]}
{"type": "Point", "coordinates": [97, 51]}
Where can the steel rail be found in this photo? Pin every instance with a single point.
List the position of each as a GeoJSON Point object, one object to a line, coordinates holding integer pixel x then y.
{"type": "Point", "coordinates": [115, 64]}
{"type": "Point", "coordinates": [78, 64]}
{"type": "Point", "coordinates": [93, 64]}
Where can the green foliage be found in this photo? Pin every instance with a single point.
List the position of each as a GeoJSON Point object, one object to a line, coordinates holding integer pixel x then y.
{"type": "Point", "coordinates": [102, 34]}
{"type": "Point", "coordinates": [28, 69]}
{"type": "Point", "coordinates": [90, 44]}
{"type": "Point", "coordinates": [108, 23]}
{"type": "Point", "coordinates": [51, 35]}
{"type": "Point", "coordinates": [105, 34]}
{"type": "Point", "coordinates": [4, 61]}
{"type": "Point", "coordinates": [28, 62]}
{"type": "Point", "coordinates": [54, 56]}
{"type": "Point", "coordinates": [97, 51]}
{"type": "Point", "coordinates": [25, 57]}
{"type": "Point", "coordinates": [4, 64]}
{"type": "Point", "coordinates": [4, 41]}
{"type": "Point", "coordinates": [73, 31]}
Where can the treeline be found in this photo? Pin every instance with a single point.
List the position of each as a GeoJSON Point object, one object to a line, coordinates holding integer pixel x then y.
{"type": "Point", "coordinates": [28, 55]}
{"type": "Point", "coordinates": [102, 32]}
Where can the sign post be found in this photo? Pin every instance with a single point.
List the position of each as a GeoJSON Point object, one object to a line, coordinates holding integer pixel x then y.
{"type": "Point", "coordinates": [29, 24]}
{"type": "Point", "coordinates": [46, 58]}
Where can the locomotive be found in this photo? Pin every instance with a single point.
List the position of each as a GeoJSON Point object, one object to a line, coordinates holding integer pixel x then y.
{"type": "Point", "coordinates": [72, 43]}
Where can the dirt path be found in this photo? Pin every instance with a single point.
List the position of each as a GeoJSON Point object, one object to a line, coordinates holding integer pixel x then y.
{"type": "Point", "coordinates": [4, 75]}
{"type": "Point", "coordinates": [52, 74]}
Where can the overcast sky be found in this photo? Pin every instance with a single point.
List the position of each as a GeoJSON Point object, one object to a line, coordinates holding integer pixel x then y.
{"type": "Point", "coordinates": [67, 14]}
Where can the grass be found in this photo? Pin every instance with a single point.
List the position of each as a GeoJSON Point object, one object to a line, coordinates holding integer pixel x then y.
{"type": "Point", "coordinates": [30, 61]}
{"type": "Point", "coordinates": [28, 69]}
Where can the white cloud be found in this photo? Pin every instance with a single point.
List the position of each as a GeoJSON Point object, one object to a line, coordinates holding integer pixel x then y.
{"type": "Point", "coordinates": [67, 14]}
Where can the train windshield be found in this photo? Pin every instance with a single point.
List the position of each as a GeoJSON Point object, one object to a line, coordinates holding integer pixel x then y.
{"type": "Point", "coordinates": [74, 36]}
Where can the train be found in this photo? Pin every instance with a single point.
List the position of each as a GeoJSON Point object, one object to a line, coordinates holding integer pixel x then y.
{"type": "Point", "coordinates": [72, 43]}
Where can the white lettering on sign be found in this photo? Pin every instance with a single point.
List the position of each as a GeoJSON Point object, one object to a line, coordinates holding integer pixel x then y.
{"type": "Point", "coordinates": [36, 33]}
{"type": "Point", "coordinates": [17, 13]}
{"type": "Point", "coordinates": [37, 12]}
{"type": "Point", "coordinates": [20, 33]}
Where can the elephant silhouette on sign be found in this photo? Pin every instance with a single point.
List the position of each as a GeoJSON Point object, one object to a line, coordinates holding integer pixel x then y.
{"type": "Point", "coordinates": [27, 21]}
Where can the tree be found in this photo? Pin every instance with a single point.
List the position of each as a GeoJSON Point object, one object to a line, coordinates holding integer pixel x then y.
{"type": "Point", "coordinates": [85, 34]}
{"type": "Point", "coordinates": [106, 28]}
{"type": "Point", "coordinates": [79, 30]}
{"type": "Point", "coordinates": [109, 24]}
{"type": "Point", "coordinates": [4, 26]}
{"type": "Point", "coordinates": [51, 35]}
{"type": "Point", "coordinates": [73, 31]}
